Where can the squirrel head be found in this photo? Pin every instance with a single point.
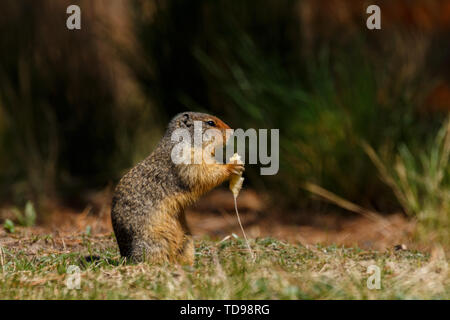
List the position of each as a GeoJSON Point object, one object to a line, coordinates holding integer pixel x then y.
{"type": "Point", "coordinates": [195, 120]}
{"type": "Point", "coordinates": [186, 120]}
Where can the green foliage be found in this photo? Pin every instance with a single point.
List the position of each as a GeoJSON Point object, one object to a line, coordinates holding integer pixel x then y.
{"type": "Point", "coordinates": [420, 179]}
{"type": "Point", "coordinates": [27, 218]}
{"type": "Point", "coordinates": [88, 231]}
{"type": "Point", "coordinates": [9, 226]}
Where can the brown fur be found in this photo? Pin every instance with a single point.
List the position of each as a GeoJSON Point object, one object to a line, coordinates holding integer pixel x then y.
{"type": "Point", "coordinates": [148, 205]}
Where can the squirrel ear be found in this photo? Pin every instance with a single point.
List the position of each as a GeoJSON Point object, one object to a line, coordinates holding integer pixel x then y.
{"type": "Point", "coordinates": [186, 120]}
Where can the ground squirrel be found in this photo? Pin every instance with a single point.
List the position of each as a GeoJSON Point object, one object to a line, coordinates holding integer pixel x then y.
{"type": "Point", "coordinates": [148, 204]}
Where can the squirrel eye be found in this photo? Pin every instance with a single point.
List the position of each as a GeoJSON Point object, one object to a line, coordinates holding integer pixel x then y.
{"type": "Point", "coordinates": [211, 123]}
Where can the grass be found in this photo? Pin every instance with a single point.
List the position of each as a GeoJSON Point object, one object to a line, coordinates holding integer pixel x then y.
{"type": "Point", "coordinates": [420, 179]}
{"type": "Point", "coordinates": [35, 266]}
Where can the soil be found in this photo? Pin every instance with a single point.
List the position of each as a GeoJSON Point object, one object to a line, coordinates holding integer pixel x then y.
{"type": "Point", "coordinates": [214, 216]}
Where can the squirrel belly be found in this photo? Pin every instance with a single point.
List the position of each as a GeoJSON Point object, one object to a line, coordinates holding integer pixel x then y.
{"type": "Point", "coordinates": [148, 204]}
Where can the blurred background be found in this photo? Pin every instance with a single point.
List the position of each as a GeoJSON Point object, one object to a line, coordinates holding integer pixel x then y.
{"type": "Point", "coordinates": [362, 114]}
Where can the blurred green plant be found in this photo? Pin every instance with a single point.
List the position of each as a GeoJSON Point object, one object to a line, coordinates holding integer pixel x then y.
{"type": "Point", "coordinates": [322, 112]}
{"type": "Point", "coordinates": [420, 179]}
{"type": "Point", "coordinates": [8, 225]}
{"type": "Point", "coordinates": [27, 218]}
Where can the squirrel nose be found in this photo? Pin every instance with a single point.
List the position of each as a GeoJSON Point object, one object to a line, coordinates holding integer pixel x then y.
{"type": "Point", "coordinates": [223, 125]}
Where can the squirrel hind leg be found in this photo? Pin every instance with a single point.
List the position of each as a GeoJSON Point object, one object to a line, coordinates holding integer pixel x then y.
{"type": "Point", "coordinates": [187, 252]}
{"type": "Point", "coordinates": [151, 252]}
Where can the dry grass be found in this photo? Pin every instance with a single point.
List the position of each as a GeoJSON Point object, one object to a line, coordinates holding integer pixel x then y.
{"type": "Point", "coordinates": [34, 265]}
{"type": "Point", "coordinates": [304, 263]}
{"type": "Point", "coordinates": [420, 180]}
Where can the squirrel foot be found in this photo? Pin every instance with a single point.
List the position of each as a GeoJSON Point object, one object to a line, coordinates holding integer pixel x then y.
{"type": "Point", "coordinates": [235, 168]}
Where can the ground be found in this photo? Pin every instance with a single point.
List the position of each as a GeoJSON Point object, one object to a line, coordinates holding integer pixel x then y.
{"type": "Point", "coordinates": [326, 258]}
{"type": "Point", "coordinates": [34, 266]}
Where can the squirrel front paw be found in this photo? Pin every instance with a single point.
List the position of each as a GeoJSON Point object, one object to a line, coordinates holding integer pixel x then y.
{"type": "Point", "coordinates": [235, 168]}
